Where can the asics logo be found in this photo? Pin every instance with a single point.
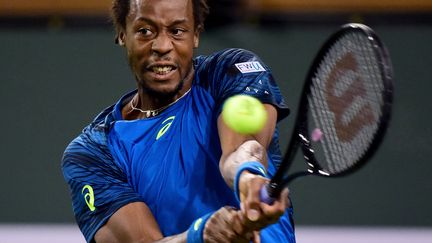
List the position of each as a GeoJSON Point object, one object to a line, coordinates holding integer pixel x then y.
{"type": "Point", "coordinates": [165, 128]}
{"type": "Point", "coordinates": [89, 197]}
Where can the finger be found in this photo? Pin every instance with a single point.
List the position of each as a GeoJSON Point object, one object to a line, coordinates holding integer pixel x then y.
{"type": "Point", "coordinates": [229, 221]}
{"type": "Point", "coordinates": [256, 237]}
{"type": "Point", "coordinates": [217, 228]}
{"type": "Point", "coordinates": [252, 203]}
{"type": "Point", "coordinates": [285, 194]}
{"type": "Point", "coordinates": [242, 207]}
{"type": "Point", "coordinates": [238, 233]}
{"type": "Point", "coordinates": [238, 224]}
{"type": "Point", "coordinates": [277, 209]}
{"type": "Point", "coordinates": [246, 223]}
{"type": "Point", "coordinates": [246, 237]}
{"type": "Point", "coordinates": [242, 225]}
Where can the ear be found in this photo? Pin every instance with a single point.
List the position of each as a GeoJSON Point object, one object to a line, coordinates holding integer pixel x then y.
{"type": "Point", "coordinates": [120, 39]}
{"type": "Point", "coordinates": [196, 38]}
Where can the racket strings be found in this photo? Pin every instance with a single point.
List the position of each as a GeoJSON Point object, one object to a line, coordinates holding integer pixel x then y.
{"type": "Point", "coordinates": [375, 88]}
{"type": "Point", "coordinates": [345, 101]}
{"type": "Point", "coordinates": [321, 114]}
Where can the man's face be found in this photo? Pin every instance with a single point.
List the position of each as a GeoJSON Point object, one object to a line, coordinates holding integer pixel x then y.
{"type": "Point", "coordinates": [159, 38]}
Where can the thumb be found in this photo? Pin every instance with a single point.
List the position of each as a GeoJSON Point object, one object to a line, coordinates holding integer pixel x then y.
{"type": "Point", "coordinates": [256, 237]}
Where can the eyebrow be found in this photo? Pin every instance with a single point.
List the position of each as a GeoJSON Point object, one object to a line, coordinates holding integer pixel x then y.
{"type": "Point", "coordinates": [175, 22]}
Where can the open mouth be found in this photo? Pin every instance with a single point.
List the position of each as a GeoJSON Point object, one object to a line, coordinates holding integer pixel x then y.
{"type": "Point", "coordinates": [162, 70]}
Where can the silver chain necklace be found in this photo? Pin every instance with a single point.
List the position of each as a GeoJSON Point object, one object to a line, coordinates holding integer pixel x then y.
{"type": "Point", "coordinates": [155, 112]}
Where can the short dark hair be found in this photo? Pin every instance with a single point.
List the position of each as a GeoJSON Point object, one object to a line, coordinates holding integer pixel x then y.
{"type": "Point", "coordinates": [120, 10]}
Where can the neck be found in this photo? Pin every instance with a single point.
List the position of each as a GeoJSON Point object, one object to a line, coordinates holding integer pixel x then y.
{"type": "Point", "coordinates": [152, 112]}
{"type": "Point", "coordinates": [151, 99]}
{"type": "Point", "coordinates": [146, 103]}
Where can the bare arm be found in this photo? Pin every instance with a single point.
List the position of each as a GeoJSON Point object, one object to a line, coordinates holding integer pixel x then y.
{"type": "Point", "coordinates": [135, 223]}
{"type": "Point", "coordinates": [238, 149]}
{"type": "Point", "coordinates": [233, 154]}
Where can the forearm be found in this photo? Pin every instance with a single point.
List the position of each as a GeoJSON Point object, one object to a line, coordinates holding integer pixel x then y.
{"type": "Point", "coordinates": [250, 150]}
{"type": "Point", "coordinates": [134, 222]}
{"type": "Point", "coordinates": [228, 169]}
{"type": "Point", "coordinates": [238, 148]}
{"type": "Point", "coordinates": [180, 238]}
{"type": "Point", "coordinates": [224, 225]}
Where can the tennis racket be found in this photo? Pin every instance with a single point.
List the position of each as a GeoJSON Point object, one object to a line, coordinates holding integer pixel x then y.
{"type": "Point", "coordinates": [344, 109]}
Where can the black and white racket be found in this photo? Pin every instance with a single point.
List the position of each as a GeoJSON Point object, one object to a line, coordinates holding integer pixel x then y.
{"type": "Point", "coordinates": [344, 109]}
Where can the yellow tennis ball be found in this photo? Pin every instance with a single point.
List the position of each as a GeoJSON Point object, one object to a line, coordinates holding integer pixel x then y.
{"type": "Point", "coordinates": [244, 114]}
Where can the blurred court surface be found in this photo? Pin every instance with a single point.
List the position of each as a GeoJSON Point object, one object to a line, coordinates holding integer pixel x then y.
{"type": "Point", "coordinates": [51, 233]}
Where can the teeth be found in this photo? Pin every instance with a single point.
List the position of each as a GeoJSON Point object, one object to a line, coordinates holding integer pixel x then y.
{"type": "Point", "coordinates": [162, 70]}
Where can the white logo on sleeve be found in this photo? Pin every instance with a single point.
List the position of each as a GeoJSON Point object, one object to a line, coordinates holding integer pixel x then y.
{"type": "Point", "coordinates": [249, 67]}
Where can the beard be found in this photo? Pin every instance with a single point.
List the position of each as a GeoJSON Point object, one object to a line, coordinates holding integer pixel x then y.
{"type": "Point", "coordinates": [162, 94]}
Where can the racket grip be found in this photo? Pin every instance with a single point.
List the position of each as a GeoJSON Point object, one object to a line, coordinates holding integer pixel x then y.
{"type": "Point", "coordinates": [265, 195]}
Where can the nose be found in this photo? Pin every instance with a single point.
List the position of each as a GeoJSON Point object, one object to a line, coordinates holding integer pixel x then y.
{"type": "Point", "coordinates": [162, 44]}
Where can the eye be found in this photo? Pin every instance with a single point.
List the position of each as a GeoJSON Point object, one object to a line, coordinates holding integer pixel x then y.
{"type": "Point", "coordinates": [178, 32]}
{"type": "Point", "coordinates": [145, 32]}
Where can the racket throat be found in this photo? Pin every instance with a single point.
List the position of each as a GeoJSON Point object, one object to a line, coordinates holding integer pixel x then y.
{"type": "Point", "coordinates": [274, 189]}
{"type": "Point", "coordinates": [295, 176]}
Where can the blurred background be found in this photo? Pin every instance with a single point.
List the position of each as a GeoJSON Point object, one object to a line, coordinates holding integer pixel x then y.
{"type": "Point", "coordinates": [59, 67]}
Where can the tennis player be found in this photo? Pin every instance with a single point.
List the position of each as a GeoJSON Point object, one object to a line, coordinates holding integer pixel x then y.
{"type": "Point", "coordinates": [160, 164]}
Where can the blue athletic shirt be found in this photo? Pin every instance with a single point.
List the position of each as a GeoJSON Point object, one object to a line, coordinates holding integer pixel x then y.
{"type": "Point", "coordinates": [170, 161]}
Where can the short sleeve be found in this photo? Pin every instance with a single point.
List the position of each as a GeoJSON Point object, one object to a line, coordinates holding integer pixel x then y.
{"type": "Point", "coordinates": [98, 186]}
{"type": "Point", "coordinates": [238, 71]}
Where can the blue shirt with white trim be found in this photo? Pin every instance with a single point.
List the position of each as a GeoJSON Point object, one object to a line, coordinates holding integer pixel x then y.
{"type": "Point", "coordinates": [170, 161]}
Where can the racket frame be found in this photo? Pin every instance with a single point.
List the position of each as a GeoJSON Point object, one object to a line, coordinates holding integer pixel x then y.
{"type": "Point", "coordinates": [301, 132]}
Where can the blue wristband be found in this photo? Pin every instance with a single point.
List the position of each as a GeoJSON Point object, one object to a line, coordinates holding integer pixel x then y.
{"type": "Point", "coordinates": [251, 166]}
{"type": "Point", "coordinates": [195, 231]}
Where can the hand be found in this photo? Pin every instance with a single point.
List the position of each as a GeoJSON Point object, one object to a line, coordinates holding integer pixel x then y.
{"type": "Point", "coordinates": [256, 214]}
{"type": "Point", "coordinates": [226, 225]}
